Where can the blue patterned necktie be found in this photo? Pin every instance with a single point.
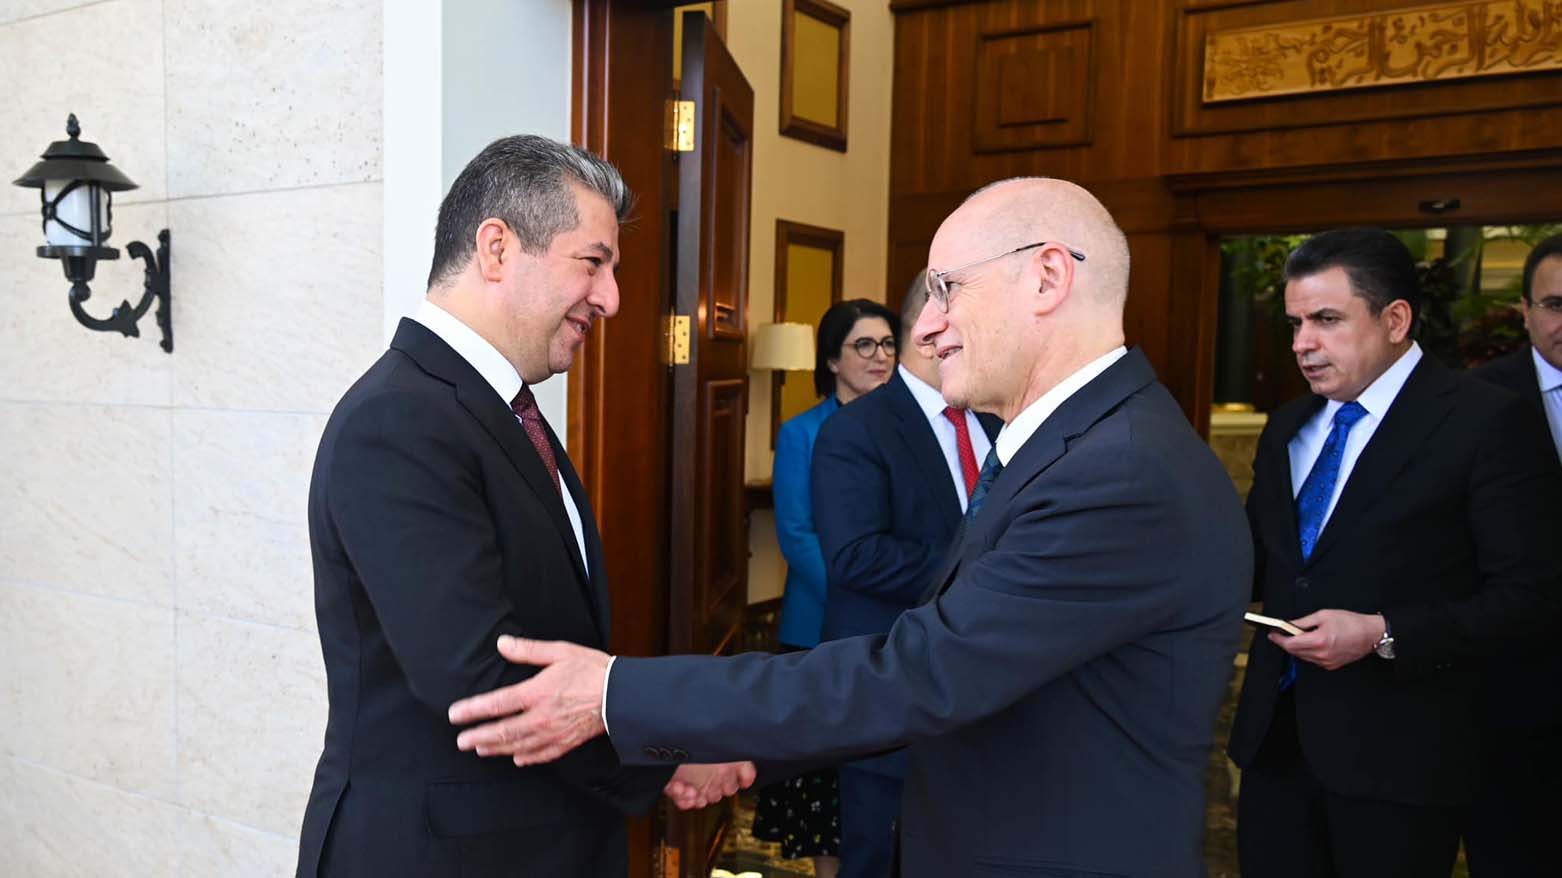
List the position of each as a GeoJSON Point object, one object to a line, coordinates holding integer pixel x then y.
{"type": "Point", "coordinates": [990, 470]}
{"type": "Point", "coordinates": [1313, 500]}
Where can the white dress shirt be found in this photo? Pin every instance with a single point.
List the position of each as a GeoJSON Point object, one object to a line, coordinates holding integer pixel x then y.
{"type": "Point", "coordinates": [501, 376]}
{"type": "Point", "coordinates": [1550, 378]}
{"type": "Point", "coordinates": [933, 405]}
{"type": "Point", "coordinates": [1018, 431]}
{"type": "Point", "coordinates": [1308, 442]}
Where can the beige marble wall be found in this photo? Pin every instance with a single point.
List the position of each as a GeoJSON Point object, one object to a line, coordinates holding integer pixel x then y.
{"type": "Point", "coordinates": [160, 677]}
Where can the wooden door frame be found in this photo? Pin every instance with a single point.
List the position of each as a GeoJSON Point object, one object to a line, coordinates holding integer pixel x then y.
{"type": "Point", "coordinates": [620, 388]}
{"type": "Point", "coordinates": [1492, 190]}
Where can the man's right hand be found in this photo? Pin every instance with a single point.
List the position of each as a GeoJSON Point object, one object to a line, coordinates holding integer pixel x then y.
{"type": "Point", "coordinates": [696, 786]}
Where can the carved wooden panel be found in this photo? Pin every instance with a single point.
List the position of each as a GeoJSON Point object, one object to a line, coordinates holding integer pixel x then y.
{"type": "Point", "coordinates": [721, 588]}
{"type": "Point", "coordinates": [1034, 88]}
{"type": "Point", "coordinates": [1392, 47]}
{"type": "Point", "coordinates": [1278, 65]}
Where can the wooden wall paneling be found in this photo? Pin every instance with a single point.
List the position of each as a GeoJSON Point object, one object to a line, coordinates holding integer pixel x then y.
{"type": "Point", "coordinates": [1398, 197]}
{"type": "Point", "coordinates": [1034, 88]}
{"type": "Point", "coordinates": [1429, 119]}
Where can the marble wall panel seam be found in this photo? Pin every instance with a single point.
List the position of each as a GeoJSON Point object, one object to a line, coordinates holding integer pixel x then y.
{"type": "Point", "coordinates": [32, 585]}
{"type": "Point", "coordinates": [185, 809]}
{"type": "Point", "coordinates": [37, 15]}
{"type": "Point", "coordinates": [278, 190]}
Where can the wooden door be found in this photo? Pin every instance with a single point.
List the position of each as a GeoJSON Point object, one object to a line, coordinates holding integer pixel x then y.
{"type": "Point", "coordinates": [709, 537]}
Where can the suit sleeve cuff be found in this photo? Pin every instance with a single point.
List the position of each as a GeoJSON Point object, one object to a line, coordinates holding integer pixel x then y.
{"type": "Point", "coordinates": [606, 675]}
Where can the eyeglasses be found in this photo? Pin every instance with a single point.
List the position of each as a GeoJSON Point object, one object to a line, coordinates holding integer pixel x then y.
{"type": "Point", "coordinates": [868, 347]}
{"type": "Point", "coordinates": [938, 286]}
{"type": "Point", "coordinates": [1550, 304]}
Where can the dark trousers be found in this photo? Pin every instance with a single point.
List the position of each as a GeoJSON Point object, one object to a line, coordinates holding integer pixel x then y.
{"type": "Point", "coordinates": [1289, 826]}
{"type": "Point", "coordinates": [870, 805]}
{"type": "Point", "coordinates": [1518, 810]}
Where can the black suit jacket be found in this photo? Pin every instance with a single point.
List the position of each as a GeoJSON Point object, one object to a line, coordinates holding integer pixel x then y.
{"type": "Point", "coordinates": [1058, 697]}
{"type": "Point", "coordinates": [1523, 688]}
{"type": "Point", "coordinates": [434, 529]}
{"type": "Point", "coordinates": [886, 510]}
{"type": "Point", "coordinates": [1447, 526]}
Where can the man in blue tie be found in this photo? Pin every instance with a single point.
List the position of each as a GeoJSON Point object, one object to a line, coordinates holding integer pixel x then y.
{"type": "Point", "coordinates": [1404, 516]}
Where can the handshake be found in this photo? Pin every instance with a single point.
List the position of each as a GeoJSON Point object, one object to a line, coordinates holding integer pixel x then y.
{"type": "Point", "coordinates": [559, 709]}
{"type": "Point", "coordinates": [696, 786]}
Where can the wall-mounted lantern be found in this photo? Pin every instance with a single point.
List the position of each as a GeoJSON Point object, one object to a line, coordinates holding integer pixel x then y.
{"type": "Point", "coordinates": [76, 185]}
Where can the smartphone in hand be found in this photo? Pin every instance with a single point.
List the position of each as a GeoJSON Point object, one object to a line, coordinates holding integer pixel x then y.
{"type": "Point", "coordinates": [1271, 622]}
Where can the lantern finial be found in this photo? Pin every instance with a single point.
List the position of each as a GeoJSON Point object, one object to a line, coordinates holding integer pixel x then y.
{"type": "Point", "coordinates": [72, 127]}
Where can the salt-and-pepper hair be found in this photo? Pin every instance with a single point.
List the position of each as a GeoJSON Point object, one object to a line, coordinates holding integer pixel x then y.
{"type": "Point", "coordinates": [526, 181]}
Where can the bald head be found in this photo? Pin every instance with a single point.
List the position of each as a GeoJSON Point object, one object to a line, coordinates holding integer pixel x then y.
{"type": "Point", "coordinates": [1024, 210]}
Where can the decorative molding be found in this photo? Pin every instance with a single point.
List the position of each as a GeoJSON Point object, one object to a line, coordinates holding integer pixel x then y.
{"type": "Point", "coordinates": [816, 131]}
{"type": "Point", "coordinates": [1397, 47]}
{"type": "Point", "coordinates": [1033, 88]}
{"type": "Point", "coordinates": [788, 233]}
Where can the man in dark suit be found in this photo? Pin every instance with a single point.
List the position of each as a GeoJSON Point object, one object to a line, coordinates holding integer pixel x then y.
{"type": "Point", "coordinates": [1407, 517]}
{"type": "Point", "coordinates": [443, 512]}
{"type": "Point", "coordinates": [1519, 802]}
{"type": "Point", "coordinates": [892, 476]}
{"type": "Point", "coordinates": [1058, 692]}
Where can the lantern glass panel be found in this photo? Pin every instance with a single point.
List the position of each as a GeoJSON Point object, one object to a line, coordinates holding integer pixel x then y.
{"type": "Point", "coordinates": [76, 209]}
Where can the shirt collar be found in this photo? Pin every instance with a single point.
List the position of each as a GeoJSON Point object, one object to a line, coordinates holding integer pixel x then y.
{"type": "Point", "coordinates": [1549, 376]}
{"type": "Point", "coordinates": [928, 398]}
{"type": "Point", "coordinates": [1380, 394]}
{"type": "Point", "coordinates": [473, 348]}
{"type": "Point", "coordinates": [1018, 431]}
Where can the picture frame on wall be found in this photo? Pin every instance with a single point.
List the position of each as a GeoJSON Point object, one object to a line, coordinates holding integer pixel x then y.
{"type": "Point", "coordinates": [809, 262]}
{"type": "Point", "coordinates": [815, 71]}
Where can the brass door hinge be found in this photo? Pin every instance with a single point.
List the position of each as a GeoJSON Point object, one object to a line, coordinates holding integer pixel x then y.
{"type": "Point", "coordinates": [679, 126]}
{"type": "Point", "coordinates": [676, 349]}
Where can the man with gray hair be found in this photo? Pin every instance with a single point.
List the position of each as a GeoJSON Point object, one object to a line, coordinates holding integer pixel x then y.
{"type": "Point", "coordinates": [444, 513]}
{"type": "Point", "coordinates": [1057, 692]}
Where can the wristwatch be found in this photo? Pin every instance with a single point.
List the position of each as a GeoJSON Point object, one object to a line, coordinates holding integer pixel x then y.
{"type": "Point", "coordinates": [1385, 644]}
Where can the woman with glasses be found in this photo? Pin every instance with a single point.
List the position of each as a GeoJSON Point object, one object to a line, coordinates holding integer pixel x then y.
{"type": "Point", "coordinates": [855, 353]}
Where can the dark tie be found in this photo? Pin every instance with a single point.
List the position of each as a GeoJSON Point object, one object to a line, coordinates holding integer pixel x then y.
{"type": "Point", "coordinates": [525, 408]}
{"type": "Point", "coordinates": [1313, 500]}
{"type": "Point", "coordinates": [963, 444]}
{"type": "Point", "coordinates": [990, 471]}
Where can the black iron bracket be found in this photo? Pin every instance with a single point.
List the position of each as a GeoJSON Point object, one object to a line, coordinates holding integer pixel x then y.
{"type": "Point", "coordinates": [125, 317]}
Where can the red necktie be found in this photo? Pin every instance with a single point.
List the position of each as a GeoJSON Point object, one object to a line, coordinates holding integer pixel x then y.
{"type": "Point", "coordinates": [525, 408]}
{"type": "Point", "coordinates": [968, 466]}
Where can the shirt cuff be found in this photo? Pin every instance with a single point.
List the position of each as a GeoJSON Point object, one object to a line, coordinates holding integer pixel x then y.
{"type": "Point", "coordinates": [605, 675]}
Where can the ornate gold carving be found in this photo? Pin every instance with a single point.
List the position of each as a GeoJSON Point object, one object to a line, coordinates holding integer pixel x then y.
{"type": "Point", "coordinates": [1419, 44]}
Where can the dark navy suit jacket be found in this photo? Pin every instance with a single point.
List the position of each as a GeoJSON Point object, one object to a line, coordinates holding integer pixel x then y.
{"type": "Point", "coordinates": [1059, 694]}
{"type": "Point", "coordinates": [886, 511]}
{"type": "Point", "coordinates": [1447, 526]}
{"type": "Point", "coordinates": [434, 529]}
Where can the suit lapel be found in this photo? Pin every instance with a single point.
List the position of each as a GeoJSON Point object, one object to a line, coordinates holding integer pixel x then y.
{"type": "Point", "coordinates": [1420, 407]}
{"type": "Point", "coordinates": [1273, 466]}
{"type": "Point", "coordinates": [922, 444]}
{"type": "Point", "coordinates": [1091, 403]}
{"type": "Point", "coordinates": [478, 398]}
{"type": "Point", "coordinates": [1073, 418]}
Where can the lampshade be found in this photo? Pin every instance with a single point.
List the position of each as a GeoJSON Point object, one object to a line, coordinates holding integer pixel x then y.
{"type": "Point", "coordinates": [785, 346]}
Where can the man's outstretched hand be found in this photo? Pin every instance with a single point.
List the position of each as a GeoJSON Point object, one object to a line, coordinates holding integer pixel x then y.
{"type": "Point", "coordinates": [696, 786]}
{"type": "Point", "coordinates": [542, 718]}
